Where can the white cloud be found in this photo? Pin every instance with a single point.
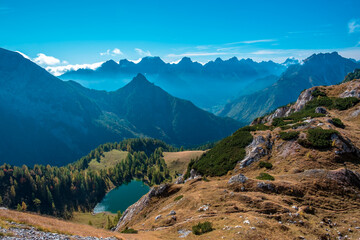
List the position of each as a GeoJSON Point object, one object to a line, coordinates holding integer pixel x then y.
{"type": "Point", "coordinates": [59, 70]}
{"type": "Point", "coordinates": [264, 52]}
{"type": "Point", "coordinates": [136, 61]}
{"type": "Point", "coordinates": [113, 52]}
{"type": "Point", "coordinates": [354, 25]}
{"type": "Point", "coordinates": [24, 55]}
{"type": "Point", "coordinates": [42, 59]}
{"type": "Point", "coordinates": [142, 52]}
{"type": "Point", "coordinates": [117, 51]}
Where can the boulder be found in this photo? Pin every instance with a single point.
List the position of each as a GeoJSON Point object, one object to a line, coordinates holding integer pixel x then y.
{"type": "Point", "coordinates": [240, 178]}
{"type": "Point", "coordinates": [180, 180]}
{"type": "Point", "coordinates": [320, 110]}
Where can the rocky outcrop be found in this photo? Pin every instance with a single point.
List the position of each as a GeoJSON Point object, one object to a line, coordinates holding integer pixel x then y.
{"type": "Point", "coordinates": [353, 90]}
{"type": "Point", "coordinates": [137, 207]}
{"type": "Point", "coordinates": [344, 145]}
{"type": "Point", "coordinates": [285, 111]}
{"type": "Point", "coordinates": [239, 178]}
{"type": "Point", "coordinates": [259, 147]}
{"type": "Point", "coordinates": [320, 110]}
{"type": "Point", "coordinates": [193, 175]}
{"type": "Point", "coordinates": [180, 180]}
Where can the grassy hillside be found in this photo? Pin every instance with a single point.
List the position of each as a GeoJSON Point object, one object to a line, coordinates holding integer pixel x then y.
{"type": "Point", "coordinates": [291, 190]}
{"type": "Point", "coordinates": [108, 160]}
{"type": "Point", "coordinates": [177, 161]}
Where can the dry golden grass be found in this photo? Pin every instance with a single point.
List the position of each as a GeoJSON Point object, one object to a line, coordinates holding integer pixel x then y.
{"type": "Point", "coordinates": [52, 224]}
{"type": "Point", "coordinates": [178, 161]}
{"type": "Point", "coordinates": [229, 206]}
{"type": "Point", "coordinates": [110, 159]}
{"type": "Point", "coordinates": [97, 220]}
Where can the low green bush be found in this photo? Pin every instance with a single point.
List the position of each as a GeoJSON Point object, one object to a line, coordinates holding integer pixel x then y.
{"type": "Point", "coordinates": [224, 156]}
{"type": "Point", "coordinates": [317, 93]}
{"type": "Point", "coordinates": [353, 75]}
{"type": "Point", "coordinates": [178, 198]}
{"type": "Point", "coordinates": [257, 127]}
{"type": "Point", "coordinates": [129, 230]}
{"type": "Point", "coordinates": [345, 103]}
{"type": "Point", "coordinates": [338, 123]}
{"type": "Point", "coordinates": [289, 135]}
{"type": "Point", "coordinates": [202, 228]}
{"type": "Point", "coordinates": [318, 138]}
{"type": "Point", "coordinates": [266, 165]}
{"type": "Point", "coordinates": [265, 176]}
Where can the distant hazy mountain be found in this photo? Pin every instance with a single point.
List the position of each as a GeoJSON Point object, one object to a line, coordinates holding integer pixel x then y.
{"type": "Point", "coordinates": [46, 120]}
{"type": "Point", "coordinates": [318, 69]}
{"type": "Point", "coordinates": [205, 85]}
{"type": "Point", "coordinates": [290, 61]}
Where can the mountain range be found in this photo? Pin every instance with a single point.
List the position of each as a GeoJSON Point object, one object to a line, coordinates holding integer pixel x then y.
{"type": "Point", "coordinates": [46, 120]}
{"type": "Point", "coordinates": [206, 85]}
{"type": "Point", "coordinates": [317, 70]}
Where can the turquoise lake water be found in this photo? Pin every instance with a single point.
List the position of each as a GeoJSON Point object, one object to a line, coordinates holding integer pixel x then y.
{"type": "Point", "coordinates": [122, 197]}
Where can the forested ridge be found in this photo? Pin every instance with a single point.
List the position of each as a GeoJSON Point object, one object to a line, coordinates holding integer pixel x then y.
{"type": "Point", "coordinates": [61, 190]}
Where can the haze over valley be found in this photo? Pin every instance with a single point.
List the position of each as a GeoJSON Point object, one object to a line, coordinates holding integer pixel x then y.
{"type": "Point", "coordinates": [180, 120]}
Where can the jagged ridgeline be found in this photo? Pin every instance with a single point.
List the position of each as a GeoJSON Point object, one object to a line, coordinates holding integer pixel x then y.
{"type": "Point", "coordinates": [78, 186]}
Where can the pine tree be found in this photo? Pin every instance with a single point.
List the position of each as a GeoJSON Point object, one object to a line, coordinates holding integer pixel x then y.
{"type": "Point", "coordinates": [23, 206]}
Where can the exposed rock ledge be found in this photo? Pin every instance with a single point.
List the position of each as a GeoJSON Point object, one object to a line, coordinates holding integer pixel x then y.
{"type": "Point", "coordinates": [137, 207]}
{"type": "Point", "coordinates": [285, 111]}
{"type": "Point", "coordinates": [259, 147]}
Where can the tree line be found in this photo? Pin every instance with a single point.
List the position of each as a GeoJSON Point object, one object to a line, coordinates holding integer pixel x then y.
{"type": "Point", "coordinates": [59, 191]}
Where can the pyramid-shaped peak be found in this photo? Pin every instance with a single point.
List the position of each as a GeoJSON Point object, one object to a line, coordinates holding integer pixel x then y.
{"type": "Point", "coordinates": [140, 79]}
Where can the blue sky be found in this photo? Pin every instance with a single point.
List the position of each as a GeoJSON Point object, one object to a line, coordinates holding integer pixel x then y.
{"type": "Point", "coordinates": [57, 33]}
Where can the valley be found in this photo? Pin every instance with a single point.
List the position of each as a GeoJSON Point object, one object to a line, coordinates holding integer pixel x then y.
{"type": "Point", "coordinates": [293, 171]}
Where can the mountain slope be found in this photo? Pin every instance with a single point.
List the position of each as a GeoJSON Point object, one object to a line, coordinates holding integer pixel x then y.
{"type": "Point", "coordinates": [205, 85]}
{"type": "Point", "coordinates": [298, 180]}
{"type": "Point", "coordinates": [319, 69]}
{"type": "Point", "coordinates": [46, 120]}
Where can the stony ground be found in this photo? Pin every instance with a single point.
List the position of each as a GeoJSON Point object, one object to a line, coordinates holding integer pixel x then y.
{"type": "Point", "coordinates": [22, 231]}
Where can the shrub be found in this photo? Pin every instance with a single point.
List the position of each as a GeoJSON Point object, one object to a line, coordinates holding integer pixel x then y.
{"type": "Point", "coordinates": [257, 127]}
{"type": "Point", "coordinates": [277, 122]}
{"type": "Point", "coordinates": [224, 156]}
{"type": "Point", "coordinates": [345, 103]}
{"type": "Point", "coordinates": [266, 165]}
{"type": "Point", "coordinates": [129, 230]}
{"type": "Point", "coordinates": [317, 93]}
{"type": "Point", "coordinates": [338, 123]}
{"type": "Point", "coordinates": [202, 228]}
{"type": "Point", "coordinates": [353, 75]}
{"type": "Point", "coordinates": [318, 138]}
{"type": "Point", "coordinates": [265, 176]}
{"type": "Point", "coordinates": [289, 135]}
{"type": "Point", "coordinates": [178, 197]}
